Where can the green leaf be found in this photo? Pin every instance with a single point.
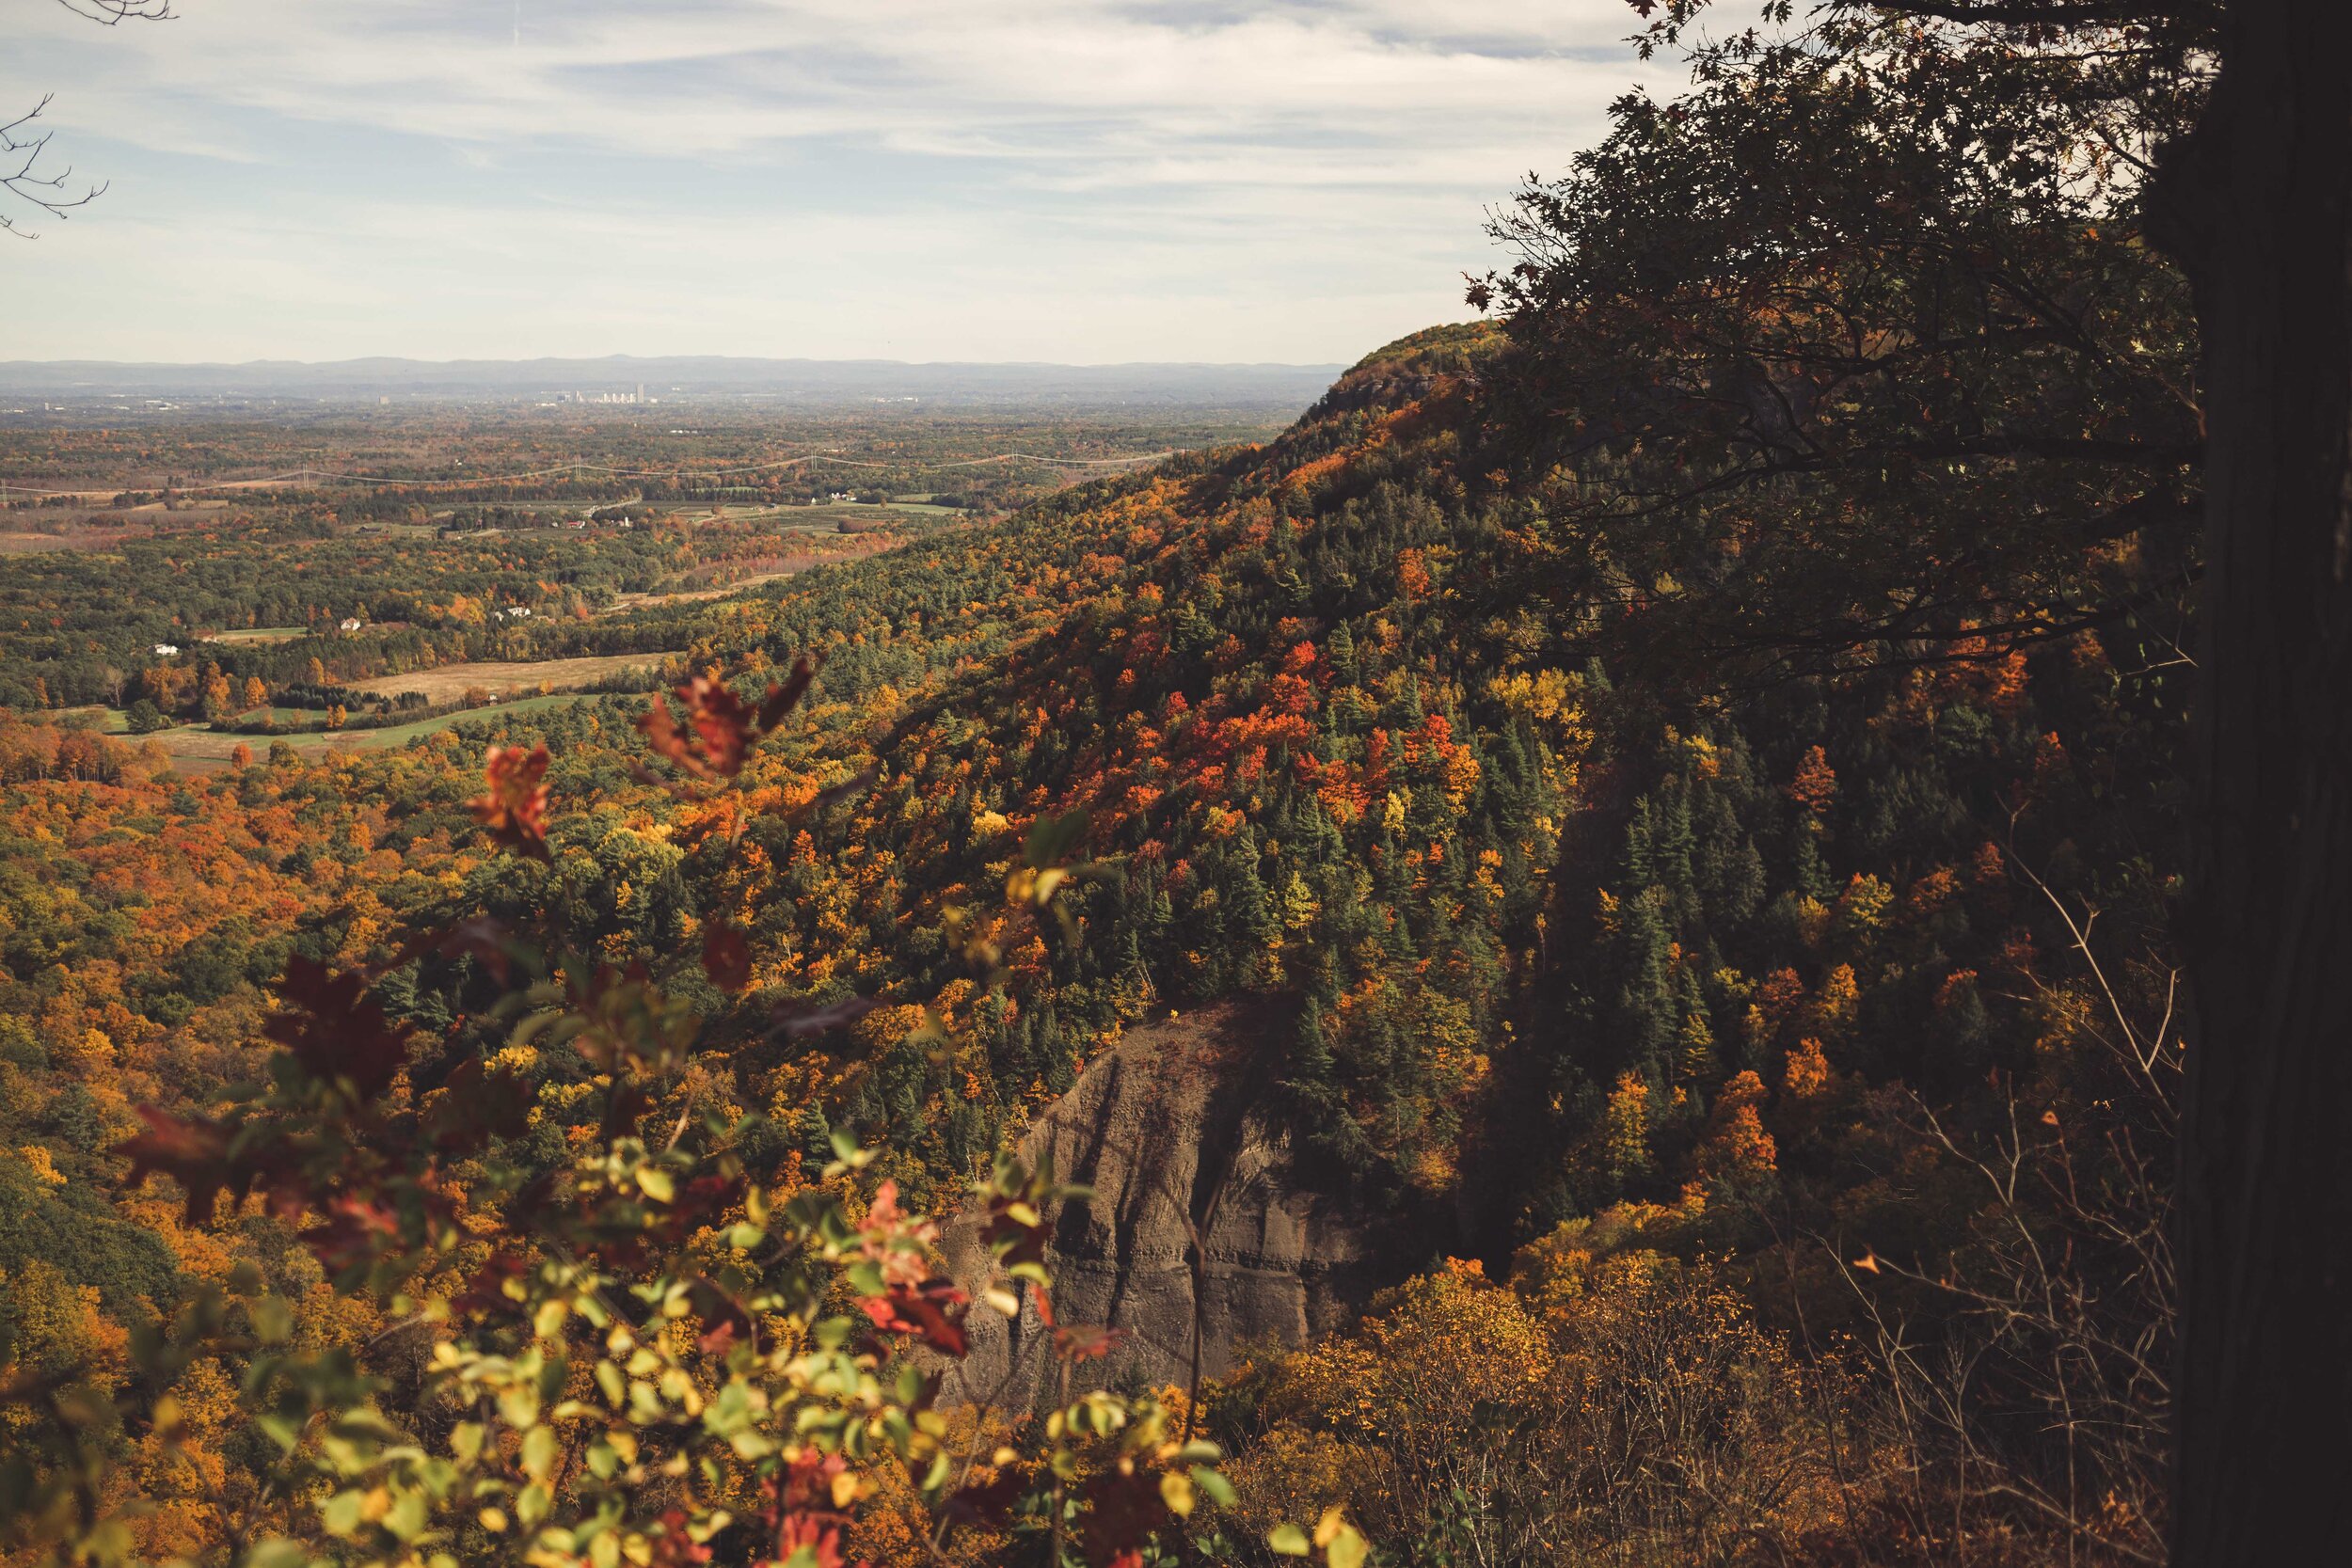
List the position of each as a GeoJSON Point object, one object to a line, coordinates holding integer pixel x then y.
{"type": "Point", "coordinates": [406, 1520]}
{"type": "Point", "coordinates": [273, 1320]}
{"type": "Point", "coordinates": [655, 1183]}
{"type": "Point", "coordinates": [1219, 1490]}
{"type": "Point", "coordinates": [539, 1452]}
{"type": "Point", "coordinates": [465, 1440]}
{"type": "Point", "coordinates": [1050, 839]}
{"type": "Point", "coordinates": [342, 1514]}
{"type": "Point", "coordinates": [1288, 1540]}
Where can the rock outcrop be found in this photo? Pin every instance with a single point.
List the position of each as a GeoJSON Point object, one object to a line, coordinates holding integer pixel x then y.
{"type": "Point", "coordinates": [1202, 1235]}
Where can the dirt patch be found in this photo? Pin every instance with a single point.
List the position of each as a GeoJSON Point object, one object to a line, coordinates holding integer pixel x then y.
{"type": "Point", "coordinates": [451, 681]}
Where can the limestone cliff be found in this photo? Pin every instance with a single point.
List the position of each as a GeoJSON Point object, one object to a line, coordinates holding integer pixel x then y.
{"type": "Point", "coordinates": [1203, 1234]}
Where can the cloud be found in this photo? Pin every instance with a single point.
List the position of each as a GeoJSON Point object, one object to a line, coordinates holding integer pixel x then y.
{"type": "Point", "coordinates": [1226, 151]}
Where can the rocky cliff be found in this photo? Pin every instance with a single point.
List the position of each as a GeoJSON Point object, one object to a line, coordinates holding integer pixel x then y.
{"type": "Point", "coordinates": [1204, 1233]}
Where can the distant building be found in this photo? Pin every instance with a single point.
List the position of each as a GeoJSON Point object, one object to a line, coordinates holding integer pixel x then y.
{"type": "Point", "coordinates": [352, 623]}
{"type": "Point", "coordinates": [164, 649]}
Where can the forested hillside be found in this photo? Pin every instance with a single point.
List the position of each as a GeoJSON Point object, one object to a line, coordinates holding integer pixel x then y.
{"type": "Point", "coordinates": [1689, 764]}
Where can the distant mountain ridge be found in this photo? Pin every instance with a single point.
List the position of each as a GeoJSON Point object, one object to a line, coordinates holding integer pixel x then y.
{"type": "Point", "coordinates": [800, 380]}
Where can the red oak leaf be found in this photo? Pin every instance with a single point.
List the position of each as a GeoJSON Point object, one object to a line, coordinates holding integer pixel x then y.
{"type": "Point", "coordinates": [193, 1153]}
{"type": "Point", "coordinates": [336, 1029]}
{"type": "Point", "coordinates": [1086, 1342]}
{"type": "Point", "coordinates": [781, 700]}
{"type": "Point", "coordinates": [718, 734]}
{"type": "Point", "coordinates": [933, 1311]}
{"type": "Point", "coordinates": [726, 956]}
{"type": "Point", "coordinates": [353, 1232]}
{"type": "Point", "coordinates": [1122, 1512]}
{"type": "Point", "coordinates": [474, 1106]}
{"type": "Point", "coordinates": [516, 808]}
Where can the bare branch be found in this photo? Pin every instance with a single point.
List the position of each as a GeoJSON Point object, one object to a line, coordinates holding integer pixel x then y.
{"type": "Point", "coordinates": [21, 151]}
{"type": "Point", "coordinates": [113, 13]}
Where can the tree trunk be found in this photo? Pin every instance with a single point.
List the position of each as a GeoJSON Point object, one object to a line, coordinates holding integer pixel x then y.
{"type": "Point", "coordinates": [2257, 205]}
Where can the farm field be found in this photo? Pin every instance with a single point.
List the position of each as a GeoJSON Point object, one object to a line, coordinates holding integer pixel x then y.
{"type": "Point", "coordinates": [25, 543]}
{"type": "Point", "coordinates": [623, 603]}
{"type": "Point", "coordinates": [452, 681]}
{"type": "Point", "coordinates": [196, 749]}
{"type": "Point", "coordinates": [260, 634]}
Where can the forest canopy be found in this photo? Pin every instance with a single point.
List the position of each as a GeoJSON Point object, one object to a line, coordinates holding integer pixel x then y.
{"type": "Point", "coordinates": [1682, 777]}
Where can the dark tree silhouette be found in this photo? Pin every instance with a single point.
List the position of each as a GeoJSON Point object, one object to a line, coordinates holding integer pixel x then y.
{"type": "Point", "coordinates": [2257, 205]}
{"type": "Point", "coordinates": [25, 148]}
{"type": "Point", "coordinates": [1709, 229]}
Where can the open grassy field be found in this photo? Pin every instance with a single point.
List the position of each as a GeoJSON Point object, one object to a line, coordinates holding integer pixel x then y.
{"type": "Point", "coordinates": [451, 681]}
{"type": "Point", "coordinates": [196, 749]}
{"type": "Point", "coordinates": [106, 720]}
{"type": "Point", "coordinates": [623, 603]}
{"type": "Point", "coordinates": [260, 634]}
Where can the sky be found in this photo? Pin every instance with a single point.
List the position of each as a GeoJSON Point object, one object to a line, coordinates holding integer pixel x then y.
{"type": "Point", "coordinates": [1083, 181]}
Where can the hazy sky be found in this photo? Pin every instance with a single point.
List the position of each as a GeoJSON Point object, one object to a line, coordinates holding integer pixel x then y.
{"type": "Point", "coordinates": [1083, 181]}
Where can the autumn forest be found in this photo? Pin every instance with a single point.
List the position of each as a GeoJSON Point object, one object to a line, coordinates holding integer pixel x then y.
{"type": "Point", "coordinates": [1586, 952]}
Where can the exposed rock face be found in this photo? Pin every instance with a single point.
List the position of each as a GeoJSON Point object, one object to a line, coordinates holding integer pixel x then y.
{"type": "Point", "coordinates": [1174, 1133]}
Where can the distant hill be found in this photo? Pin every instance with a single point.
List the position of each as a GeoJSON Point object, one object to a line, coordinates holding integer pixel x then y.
{"type": "Point", "coordinates": [803, 381]}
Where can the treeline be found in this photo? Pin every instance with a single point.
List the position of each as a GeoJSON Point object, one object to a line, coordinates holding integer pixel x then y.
{"type": "Point", "coordinates": [79, 628]}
